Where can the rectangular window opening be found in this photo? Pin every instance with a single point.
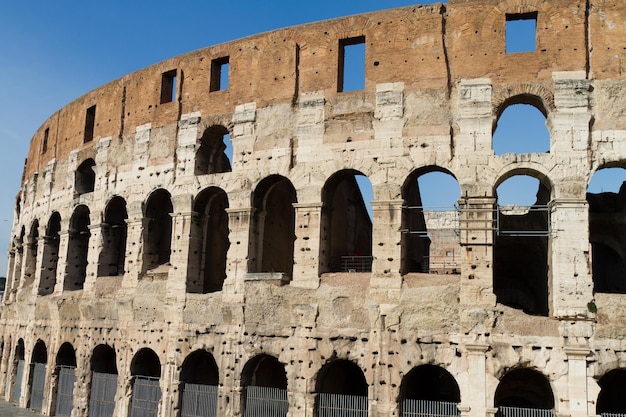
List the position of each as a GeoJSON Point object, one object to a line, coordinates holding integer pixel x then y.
{"type": "Point", "coordinates": [90, 119]}
{"type": "Point", "coordinates": [168, 86]}
{"type": "Point", "coordinates": [44, 145]}
{"type": "Point", "coordinates": [219, 74]}
{"type": "Point", "coordinates": [521, 32]}
{"type": "Point", "coordinates": [351, 74]}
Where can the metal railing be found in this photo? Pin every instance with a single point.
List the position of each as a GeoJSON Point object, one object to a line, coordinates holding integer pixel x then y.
{"type": "Point", "coordinates": [146, 397]}
{"type": "Point", "coordinates": [38, 371]}
{"type": "Point", "coordinates": [102, 394]}
{"type": "Point", "coordinates": [523, 211]}
{"type": "Point", "coordinates": [340, 405]}
{"type": "Point", "coordinates": [426, 408]}
{"type": "Point", "coordinates": [524, 412]}
{"type": "Point", "coordinates": [199, 400]}
{"type": "Point", "coordinates": [613, 414]}
{"type": "Point", "coordinates": [65, 391]}
{"type": "Point", "coordinates": [266, 402]}
{"type": "Point", "coordinates": [351, 263]}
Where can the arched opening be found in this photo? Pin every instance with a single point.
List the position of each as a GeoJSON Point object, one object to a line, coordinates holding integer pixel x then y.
{"type": "Point", "coordinates": [215, 152]}
{"type": "Point", "coordinates": [521, 242]}
{"type": "Point", "coordinates": [429, 390]}
{"type": "Point", "coordinates": [341, 386]}
{"type": "Point", "coordinates": [114, 231]}
{"type": "Point", "coordinates": [78, 245]}
{"type": "Point", "coordinates": [265, 387]}
{"type": "Point", "coordinates": [85, 177]}
{"type": "Point", "coordinates": [606, 196]}
{"type": "Point", "coordinates": [430, 222]}
{"type": "Point", "coordinates": [30, 258]}
{"type": "Point", "coordinates": [50, 260]}
{"type": "Point", "coordinates": [346, 233]}
{"type": "Point", "coordinates": [523, 388]}
{"type": "Point", "coordinates": [103, 382]}
{"type": "Point", "coordinates": [209, 241]}
{"type": "Point", "coordinates": [199, 379]}
{"type": "Point", "coordinates": [611, 398]}
{"type": "Point", "coordinates": [65, 372]}
{"type": "Point", "coordinates": [17, 372]}
{"type": "Point", "coordinates": [37, 376]}
{"type": "Point", "coordinates": [145, 369]}
{"type": "Point", "coordinates": [521, 127]}
{"type": "Point", "coordinates": [158, 233]}
{"type": "Point", "coordinates": [19, 242]}
{"type": "Point", "coordinates": [272, 233]}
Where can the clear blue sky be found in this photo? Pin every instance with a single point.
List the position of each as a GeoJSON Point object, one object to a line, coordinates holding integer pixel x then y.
{"type": "Point", "coordinates": [52, 52]}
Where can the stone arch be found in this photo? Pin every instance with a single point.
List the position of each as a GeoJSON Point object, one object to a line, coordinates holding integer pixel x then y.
{"type": "Point", "coordinates": [272, 233]}
{"type": "Point", "coordinates": [524, 388]}
{"type": "Point", "coordinates": [533, 94]}
{"type": "Point", "coordinates": [114, 232]}
{"type": "Point", "coordinates": [430, 387]}
{"type": "Point", "coordinates": [63, 380]}
{"type": "Point", "coordinates": [17, 371]}
{"type": "Point", "coordinates": [341, 382]}
{"type": "Point", "coordinates": [611, 396]}
{"type": "Point", "coordinates": [103, 384]}
{"type": "Point", "coordinates": [199, 380]}
{"type": "Point", "coordinates": [157, 234]}
{"type": "Point", "coordinates": [211, 157]}
{"type": "Point", "coordinates": [30, 255]}
{"type": "Point", "coordinates": [346, 232]}
{"type": "Point", "coordinates": [49, 263]}
{"type": "Point", "coordinates": [521, 250]}
{"type": "Point", "coordinates": [607, 215]}
{"type": "Point", "coordinates": [77, 248]}
{"type": "Point", "coordinates": [525, 110]}
{"type": "Point", "coordinates": [210, 242]}
{"type": "Point", "coordinates": [264, 382]}
{"type": "Point", "coordinates": [145, 369]}
{"type": "Point", "coordinates": [85, 177]}
{"type": "Point", "coordinates": [37, 376]}
{"type": "Point", "coordinates": [417, 237]}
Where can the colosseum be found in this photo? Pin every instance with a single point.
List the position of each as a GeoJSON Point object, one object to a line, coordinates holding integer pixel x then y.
{"type": "Point", "coordinates": [192, 239]}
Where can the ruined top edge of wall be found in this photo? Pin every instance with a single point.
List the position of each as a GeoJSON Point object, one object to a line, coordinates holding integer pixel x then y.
{"type": "Point", "coordinates": [424, 47]}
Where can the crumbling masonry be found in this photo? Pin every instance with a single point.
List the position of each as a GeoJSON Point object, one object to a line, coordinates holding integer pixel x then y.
{"type": "Point", "coordinates": [151, 268]}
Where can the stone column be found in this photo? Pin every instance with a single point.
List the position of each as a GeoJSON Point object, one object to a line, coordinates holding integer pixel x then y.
{"type": "Point", "coordinates": [93, 255]}
{"type": "Point", "coordinates": [386, 247]}
{"type": "Point", "coordinates": [186, 147]}
{"type": "Point", "coordinates": [307, 245]}
{"type": "Point", "coordinates": [64, 237]}
{"type": "Point", "coordinates": [476, 236]}
{"type": "Point", "coordinates": [133, 261]}
{"type": "Point", "coordinates": [475, 397]}
{"type": "Point", "coordinates": [182, 219]}
{"type": "Point", "coordinates": [237, 263]}
{"type": "Point", "coordinates": [571, 284]}
{"type": "Point", "coordinates": [577, 380]}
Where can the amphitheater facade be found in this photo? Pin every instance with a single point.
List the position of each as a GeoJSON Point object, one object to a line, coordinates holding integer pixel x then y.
{"type": "Point", "coordinates": [152, 272]}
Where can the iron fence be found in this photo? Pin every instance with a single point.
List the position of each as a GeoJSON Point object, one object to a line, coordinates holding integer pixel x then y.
{"type": "Point", "coordinates": [102, 395]}
{"type": "Point", "coordinates": [340, 405]}
{"type": "Point", "coordinates": [266, 402]}
{"type": "Point", "coordinates": [65, 391]}
{"type": "Point", "coordinates": [146, 397]}
{"type": "Point", "coordinates": [351, 263]}
{"type": "Point", "coordinates": [524, 412]}
{"type": "Point", "coordinates": [426, 408]}
{"type": "Point", "coordinates": [38, 371]}
{"type": "Point", "coordinates": [199, 401]}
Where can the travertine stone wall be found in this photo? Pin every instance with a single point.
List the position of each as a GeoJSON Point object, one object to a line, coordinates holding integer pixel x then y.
{"type": "Point", "coordinates": [437, 78]}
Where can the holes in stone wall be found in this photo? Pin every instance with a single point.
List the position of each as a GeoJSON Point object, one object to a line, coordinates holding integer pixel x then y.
{"type": "Point", "coordinates": [215, 152]}
{"type": "Point", "coordinates": [44, 143]}
{"type": "Point", "coordinates": [85, 177]}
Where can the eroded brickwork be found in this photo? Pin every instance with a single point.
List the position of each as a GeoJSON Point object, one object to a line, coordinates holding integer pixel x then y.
{"type": "Point", "coordinates": [144, 253]}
